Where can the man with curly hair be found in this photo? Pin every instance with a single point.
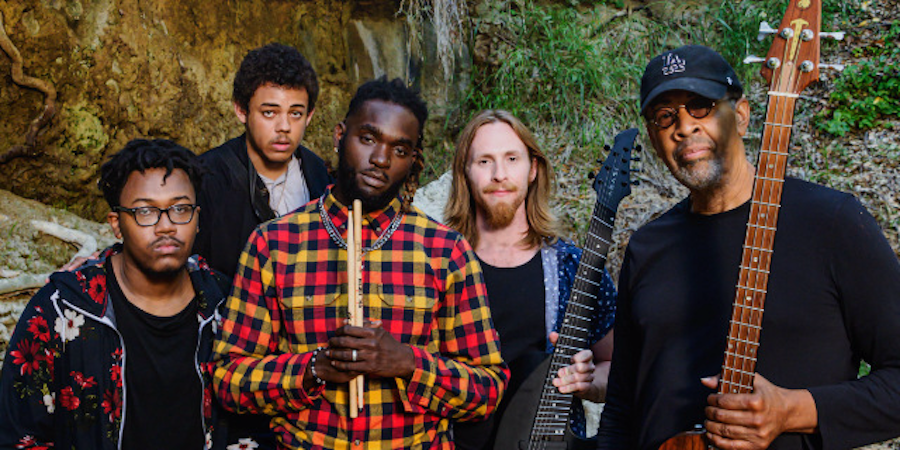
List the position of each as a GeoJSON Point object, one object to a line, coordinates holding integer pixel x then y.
{"type": "Point", "coordinates": [428, 351]}
{"type": "Point", "coordinates": [65, 382]}
{"type": "Point", "coordinates": [264, 173]}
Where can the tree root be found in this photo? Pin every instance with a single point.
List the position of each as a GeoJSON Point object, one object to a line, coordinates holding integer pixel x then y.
{"type": "Point", "coordinates": [47, 112]}
{"type": "Point", "coordinates": [87, 246]}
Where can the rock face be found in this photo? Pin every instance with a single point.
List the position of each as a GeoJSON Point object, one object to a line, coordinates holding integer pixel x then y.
{"type": "Point", "coordinates": [125, 69]}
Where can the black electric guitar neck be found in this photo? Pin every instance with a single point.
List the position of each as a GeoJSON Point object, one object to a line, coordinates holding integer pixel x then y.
{"type": "Point", "coordinates": [547, 427]}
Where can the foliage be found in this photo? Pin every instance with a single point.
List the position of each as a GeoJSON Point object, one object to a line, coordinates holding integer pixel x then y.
{"type": "Point", "coordinates": [571, 69]}
{"type": "Point", "coordinates": [579, 67]}
{"type": "Point", "coordinates": [556, 59]}
{"type": "Point", "coordinates": [868, 91]}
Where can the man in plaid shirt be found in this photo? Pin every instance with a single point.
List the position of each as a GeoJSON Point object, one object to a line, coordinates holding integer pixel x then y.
{"type": "Point", "coordinates": [428, 351]}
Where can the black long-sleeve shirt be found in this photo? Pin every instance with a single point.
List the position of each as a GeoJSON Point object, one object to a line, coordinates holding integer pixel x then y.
{"type": "Point", "coordinates": [833, 299]}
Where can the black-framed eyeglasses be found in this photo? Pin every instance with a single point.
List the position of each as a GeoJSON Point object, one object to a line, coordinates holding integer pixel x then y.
{"type": "Point", "coordinates": [147, 216]}
{"type": "Point", "coordinates": [698, 107]}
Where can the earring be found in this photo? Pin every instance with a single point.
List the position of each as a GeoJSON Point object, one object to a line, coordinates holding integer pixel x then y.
{"type": "Point", "coordinates": [335, 149]}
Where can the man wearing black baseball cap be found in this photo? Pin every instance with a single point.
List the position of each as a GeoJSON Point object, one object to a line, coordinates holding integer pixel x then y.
{"type": "Point", "coordinates": [833, 294]}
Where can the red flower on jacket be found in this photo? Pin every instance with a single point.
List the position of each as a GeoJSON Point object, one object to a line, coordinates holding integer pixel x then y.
{"type": "Point", "coordinates": [30, 443]}
{"type": "Point", "coordinates": [112, 404]}
{"type": "Point", "coordinates": [68, 399]}
{"type": "Point", "coordinates": [115, 374]}
{"type": "Point", "coordinates": [38, 327]}
{"type": "Point", "coordinates": [48, 358]}
{"type": "Point", "coordinates": [207, 402]}
{"type": "Point", "coordinates": [96, 288]}
{"type": "Point", "coordinates": [84, 382]}
{"type": "Point", "coordinates": [28, 355]}
{"type": "Point", "coordinates": [79, 275]}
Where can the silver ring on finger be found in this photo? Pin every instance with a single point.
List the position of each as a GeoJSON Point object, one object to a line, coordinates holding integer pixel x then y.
{"type": "Point", "coordinates": [353, 355]}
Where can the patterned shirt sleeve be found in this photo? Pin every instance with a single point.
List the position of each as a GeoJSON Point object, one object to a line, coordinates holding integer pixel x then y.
{"type": "Point", "coordinates": [27, 385]}
{"type": "Point", "coordinates": [466, 378]}
{"type": "Point", "coordinates": [251, 374]}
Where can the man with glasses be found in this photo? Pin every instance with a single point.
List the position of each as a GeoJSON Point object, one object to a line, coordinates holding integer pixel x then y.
{"type": "Point", "coordinates": [65, 382]}
{"type": "Point", "coordinates": [833, 294]}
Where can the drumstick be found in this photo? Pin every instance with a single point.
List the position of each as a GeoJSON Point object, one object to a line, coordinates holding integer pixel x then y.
{"type": "Point", "coordinates": [351, 297]}
{"type": "Point", "coordinates": [354, 291]}
{"type": "Point", "coordinates": [357, 229]}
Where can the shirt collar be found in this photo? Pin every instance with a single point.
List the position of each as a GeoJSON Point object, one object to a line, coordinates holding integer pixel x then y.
{"type": "Point", "coordinates": [377, 221]}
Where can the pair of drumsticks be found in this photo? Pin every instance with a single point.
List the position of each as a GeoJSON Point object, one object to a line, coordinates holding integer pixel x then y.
{"type": "Point", "coordinates": [354, 291]}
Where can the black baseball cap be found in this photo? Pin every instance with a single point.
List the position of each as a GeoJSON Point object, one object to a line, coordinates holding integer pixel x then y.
{"type": "Point", "coordinates": [692, 68]}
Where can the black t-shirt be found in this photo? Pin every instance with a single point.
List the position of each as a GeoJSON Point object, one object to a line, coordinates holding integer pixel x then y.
{"type": "Point", "coordinates": [516, 298]}
{"type": "Point", "coordinates": [162, 387]}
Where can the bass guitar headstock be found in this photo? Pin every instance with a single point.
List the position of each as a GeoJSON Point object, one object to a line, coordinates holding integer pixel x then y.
{"type": "Point", "coordinates": [792, 62]}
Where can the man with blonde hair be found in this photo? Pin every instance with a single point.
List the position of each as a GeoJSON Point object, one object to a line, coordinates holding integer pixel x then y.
{"type": "Point", "coordinates": [500, 202]}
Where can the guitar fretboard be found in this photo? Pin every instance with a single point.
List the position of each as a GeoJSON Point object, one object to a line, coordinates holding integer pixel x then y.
{"type": "Point", "coordinates": [739, 364]}
{"type": "Point", "coordinates": [553, 410]}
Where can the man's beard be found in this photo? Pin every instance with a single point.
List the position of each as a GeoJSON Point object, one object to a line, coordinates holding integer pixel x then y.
{"type": "Point", "coordinates": [349, 185]}
{"type": "Point", "coordinates": [500, 214]}
{"type": "Point", "coordinates": [700, 175]}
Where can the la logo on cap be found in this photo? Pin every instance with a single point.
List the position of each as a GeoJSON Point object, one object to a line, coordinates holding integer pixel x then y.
{"type": "Point", "coordinates": [672, 63]}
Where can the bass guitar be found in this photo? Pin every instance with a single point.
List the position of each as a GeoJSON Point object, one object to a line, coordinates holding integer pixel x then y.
{"type": "Point", "coordinates": [791, 64]}
{"type": "Point", "coordinates": [537, 416]}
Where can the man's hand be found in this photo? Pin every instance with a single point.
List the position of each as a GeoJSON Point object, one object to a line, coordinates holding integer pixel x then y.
{"type": "Point", "coordinates": [583, 377]}
{"type": "Point", "coordinates": [369, 350]}
{"type": "Point", "coordinates": [753, 421]}
{"type": "Point", "coordinates": [75, 263]}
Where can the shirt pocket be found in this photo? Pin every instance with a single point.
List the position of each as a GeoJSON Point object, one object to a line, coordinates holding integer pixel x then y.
{"type": "Point", "coordinates": [408, 312]}
{"type": "Point", "coordinates": [311, 315]}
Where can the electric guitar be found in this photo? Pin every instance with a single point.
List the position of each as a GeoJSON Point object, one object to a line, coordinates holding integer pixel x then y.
{"type": "Point", "coordinates": [791, 64]}
{"type": "Point", "coordinates": [537, 416]}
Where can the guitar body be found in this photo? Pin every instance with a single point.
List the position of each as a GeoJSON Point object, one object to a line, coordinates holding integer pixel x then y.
{"type": "Point", "coordinates": [514, 430]}
{"type": "Point", "coordinates": [690, 440]}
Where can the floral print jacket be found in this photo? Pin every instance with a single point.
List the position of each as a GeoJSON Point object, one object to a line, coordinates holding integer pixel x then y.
{"type": "Point", "coordinates": [62, 384]}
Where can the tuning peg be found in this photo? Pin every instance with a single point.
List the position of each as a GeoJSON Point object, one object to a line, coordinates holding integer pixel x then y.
{"type": "Point", "coordinates": [636, 158]}
{"type": "Point", "coordinates": [591, 175]}
{"type": "Point", "coordinates": [837, 67]}
{"type": "Point", "coordinates": [606, 147]}
{"type": "Point", "coordinates": [836, 35]}
{"type": "Point", "coordinates": [638, 148]}
{"type": "Point", "coordinates": [764, 30]}
{"type": "Point", "coordinates": [753, 59]}
{"type": "Point", "coordinates": [635, 182]}
{"type": "Point", "coordinates": [633, 170]}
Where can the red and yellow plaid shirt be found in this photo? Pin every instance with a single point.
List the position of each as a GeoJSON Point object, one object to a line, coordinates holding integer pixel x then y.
{"type": "Point", "coordinates": [289, 297]}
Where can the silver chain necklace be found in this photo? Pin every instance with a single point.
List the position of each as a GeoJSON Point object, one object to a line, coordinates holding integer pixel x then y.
{"type": "Point", "coordinates": [336, 235]}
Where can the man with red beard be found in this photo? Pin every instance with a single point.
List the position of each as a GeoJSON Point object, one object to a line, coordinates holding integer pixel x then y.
{"type": "Point", "coordinates": [265, 172]}
{"type": "Point", "coordinates": [65, 382]}
{"type": "Point", "coordinates": [428, 351]}
{"type": "Point", "coordinates": [499, 201]}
